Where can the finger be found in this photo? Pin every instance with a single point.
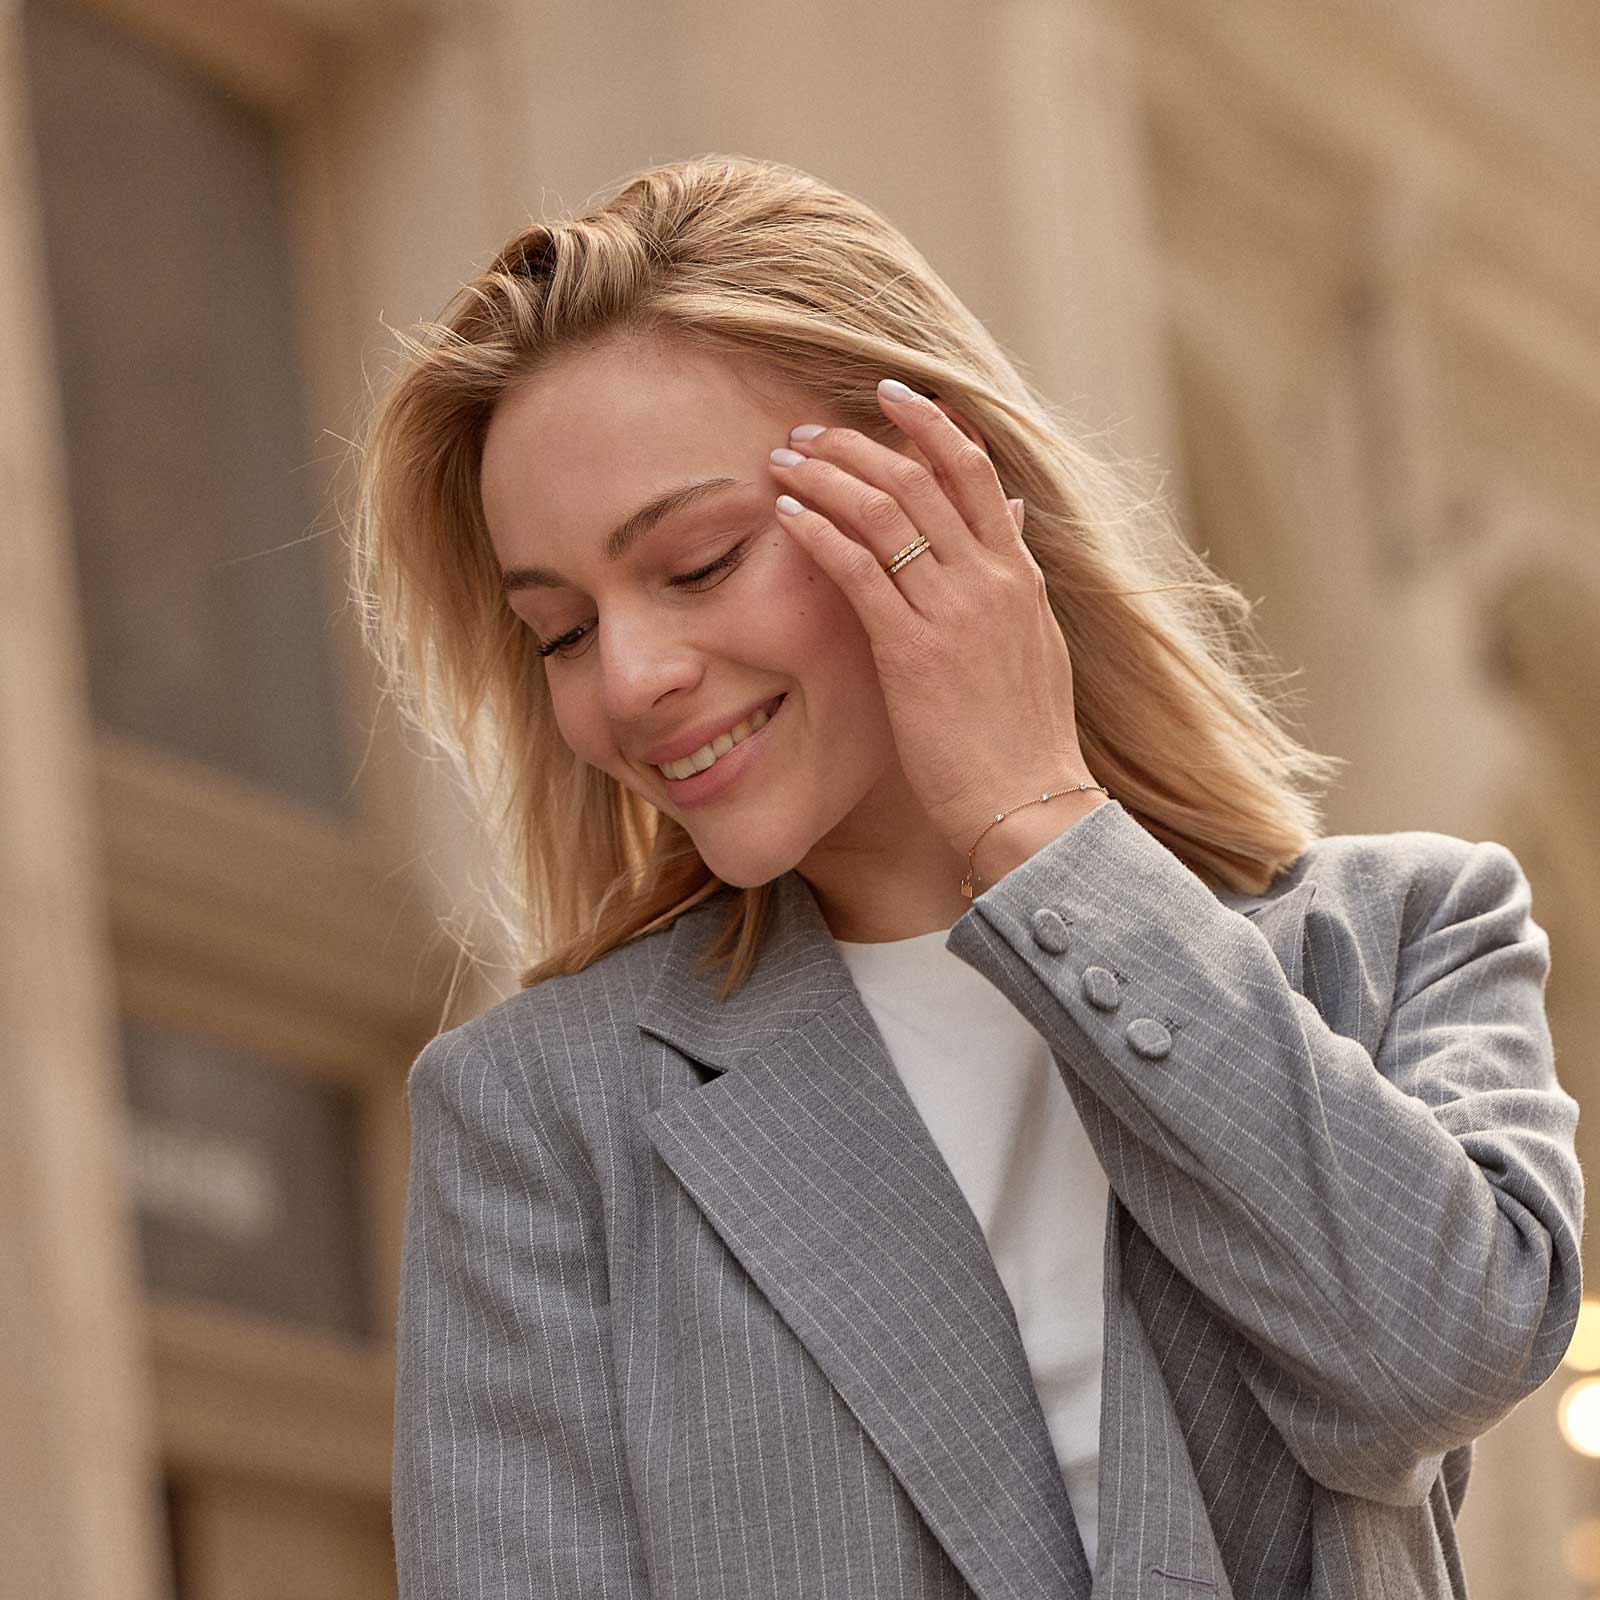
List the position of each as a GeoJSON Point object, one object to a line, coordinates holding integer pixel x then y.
{"type": "Point", "coordinates": [880, 602]}
{"type": "Point", "coordinates": [963, 467]}
{"type": "Point", "coordinates": [876, 516]}
{"type": "Point", "coordinates": [865, 465]}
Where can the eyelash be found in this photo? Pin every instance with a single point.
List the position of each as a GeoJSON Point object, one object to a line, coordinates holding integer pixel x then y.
{"type": "Point", "coordinates": [574, 636]}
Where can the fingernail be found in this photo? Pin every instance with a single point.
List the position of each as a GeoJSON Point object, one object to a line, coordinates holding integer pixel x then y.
{"type": "Point", "coordinates": [893, 389]}
{"type": "Point", "coordinates": [807, 430]}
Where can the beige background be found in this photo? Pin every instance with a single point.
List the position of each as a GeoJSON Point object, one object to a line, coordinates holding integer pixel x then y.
{"type": "Point", "coordinates": [1329, 269]}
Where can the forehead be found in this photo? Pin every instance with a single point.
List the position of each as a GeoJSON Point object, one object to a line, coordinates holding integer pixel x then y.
{"type": "Point", "coordinates": [603, 399]}
{"type": "Point", "coordinates": [586, 439]}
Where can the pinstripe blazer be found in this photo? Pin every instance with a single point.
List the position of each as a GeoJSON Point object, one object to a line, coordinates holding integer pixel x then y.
{"type": "Point", "coordinates": [692, 1306]}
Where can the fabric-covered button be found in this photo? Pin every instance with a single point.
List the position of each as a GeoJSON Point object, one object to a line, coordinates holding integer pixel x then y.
{"type": "Point", "coordinates": [1050, 931]}
{"type": "Point", "coordinates": [1148, 1037]}
{"type": "Point", "coordinates": [1100, 986]}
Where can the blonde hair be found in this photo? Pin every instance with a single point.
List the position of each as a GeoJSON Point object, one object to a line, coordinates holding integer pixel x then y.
{"type": "Point", "coordinates": [758, 261]}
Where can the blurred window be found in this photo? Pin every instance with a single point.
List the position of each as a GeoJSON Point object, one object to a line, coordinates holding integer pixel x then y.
{"type": "Point", "coordinates": [205, 592]}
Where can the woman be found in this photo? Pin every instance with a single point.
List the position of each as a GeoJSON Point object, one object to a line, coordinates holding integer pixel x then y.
{"type": "Point", "coordinates": [966, 1130]}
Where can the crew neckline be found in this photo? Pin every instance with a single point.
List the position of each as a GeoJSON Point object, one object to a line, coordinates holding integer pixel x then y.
{"type": "Point", "coordinates": [941, 934]}
{"type": "Point", "coordinates": [920, 964]}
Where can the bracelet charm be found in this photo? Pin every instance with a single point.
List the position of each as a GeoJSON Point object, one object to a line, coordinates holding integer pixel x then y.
{"type": "Point", "coordinates": [1000, 816]}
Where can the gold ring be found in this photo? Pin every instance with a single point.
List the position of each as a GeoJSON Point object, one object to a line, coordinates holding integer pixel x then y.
{"type": "Point", "coordinates": [910, 553]}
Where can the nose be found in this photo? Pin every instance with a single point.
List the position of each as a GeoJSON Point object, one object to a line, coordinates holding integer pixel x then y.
{"type": "Point", "coordinates": [641, 666]}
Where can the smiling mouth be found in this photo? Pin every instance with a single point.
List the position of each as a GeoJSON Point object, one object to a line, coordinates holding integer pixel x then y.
{"type": "Point", "coordinates": [684, 771]}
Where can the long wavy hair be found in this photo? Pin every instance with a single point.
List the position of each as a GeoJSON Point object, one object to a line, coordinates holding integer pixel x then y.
{"type": "Point", "coordinates": [1179, 712]}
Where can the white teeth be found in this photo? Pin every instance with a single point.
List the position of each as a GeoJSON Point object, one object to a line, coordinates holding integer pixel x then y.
{"type": "Point", "coordinates": [708, 754]}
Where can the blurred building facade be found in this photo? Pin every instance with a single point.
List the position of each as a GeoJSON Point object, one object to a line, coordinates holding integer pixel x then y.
{"type": "Point", "coordinates": [1329, 269]}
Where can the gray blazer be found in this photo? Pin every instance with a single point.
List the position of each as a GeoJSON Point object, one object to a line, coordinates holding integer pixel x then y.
{"type": "Point", "coordinates": [692, 1306]}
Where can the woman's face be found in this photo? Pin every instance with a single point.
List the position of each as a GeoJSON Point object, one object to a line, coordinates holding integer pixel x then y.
{"type": "Point", "coordinates": [570, 457]}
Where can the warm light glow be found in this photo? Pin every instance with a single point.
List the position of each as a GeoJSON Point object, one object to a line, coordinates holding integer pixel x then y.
{"type": "Point", "coordinates": [1580, 1550]}
{"type": "Point", "coordinates": [1578, 1413]}
{"type": "Point", "coordinates": [1583, 1353]}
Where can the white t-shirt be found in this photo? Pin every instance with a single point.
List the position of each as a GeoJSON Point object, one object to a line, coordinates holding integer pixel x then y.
{"type": "Point", "coordinates": [989, 1090]}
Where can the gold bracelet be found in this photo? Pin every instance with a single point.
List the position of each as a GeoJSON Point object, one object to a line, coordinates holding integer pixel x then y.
{"type": "Point", "coordinates": [1000, 816]}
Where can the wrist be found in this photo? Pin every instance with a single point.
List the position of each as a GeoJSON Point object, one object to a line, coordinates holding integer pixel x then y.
{"type": "Point", "coordinates": [1023, 830]}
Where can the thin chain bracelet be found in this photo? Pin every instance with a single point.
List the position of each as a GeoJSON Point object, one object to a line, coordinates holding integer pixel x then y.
{"type": "Point", "coordinates": [1000, 816]}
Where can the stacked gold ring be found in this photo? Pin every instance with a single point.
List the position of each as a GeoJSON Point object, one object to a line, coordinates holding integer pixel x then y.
{"type": "Point", "coordinates": [910, 553]}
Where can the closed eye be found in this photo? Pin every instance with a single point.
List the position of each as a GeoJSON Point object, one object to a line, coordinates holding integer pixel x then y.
{"type": "Point", "coordinates": [690, 578]}
{"type": "Point", "coordinates": [686, 580]}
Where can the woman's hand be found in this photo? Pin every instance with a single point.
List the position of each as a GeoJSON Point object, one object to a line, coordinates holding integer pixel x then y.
{"type": "Point", "coordinates": [973, 665]}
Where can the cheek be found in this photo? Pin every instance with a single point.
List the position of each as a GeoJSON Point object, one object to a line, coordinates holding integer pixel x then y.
{"type": "Point", "coordinates": [833, 650]}
{"type": "Point", "coordinates": [816, 612]}
{"type": "Point", "coordinates": [577, 727]}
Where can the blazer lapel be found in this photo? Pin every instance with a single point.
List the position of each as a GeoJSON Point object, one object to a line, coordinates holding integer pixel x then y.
{"type": "Point", "coordinates": [807, 1155]}
{"type": "Point", "coordinates": [809, 1158]}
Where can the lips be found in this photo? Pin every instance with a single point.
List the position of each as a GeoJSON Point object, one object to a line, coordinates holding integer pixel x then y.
{"type": "Point", "coordinates": [711, 784]}
{"type": "Point", "coordinates": [690, 741]}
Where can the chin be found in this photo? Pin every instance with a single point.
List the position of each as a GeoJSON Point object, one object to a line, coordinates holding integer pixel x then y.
{"type": "Point", "coordinates": [748, 866]}
{"type": "Point", "coordinates": [748, 872]}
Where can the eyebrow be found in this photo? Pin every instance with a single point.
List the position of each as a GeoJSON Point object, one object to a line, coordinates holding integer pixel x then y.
{"type": "Point", "coordinates": [628, 532]}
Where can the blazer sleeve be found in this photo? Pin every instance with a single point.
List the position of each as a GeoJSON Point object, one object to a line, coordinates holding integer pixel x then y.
{"type": "Point", "coordinates": [1395, 1233]}
{"type": "Point", "coordinates": [509, 1472]}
